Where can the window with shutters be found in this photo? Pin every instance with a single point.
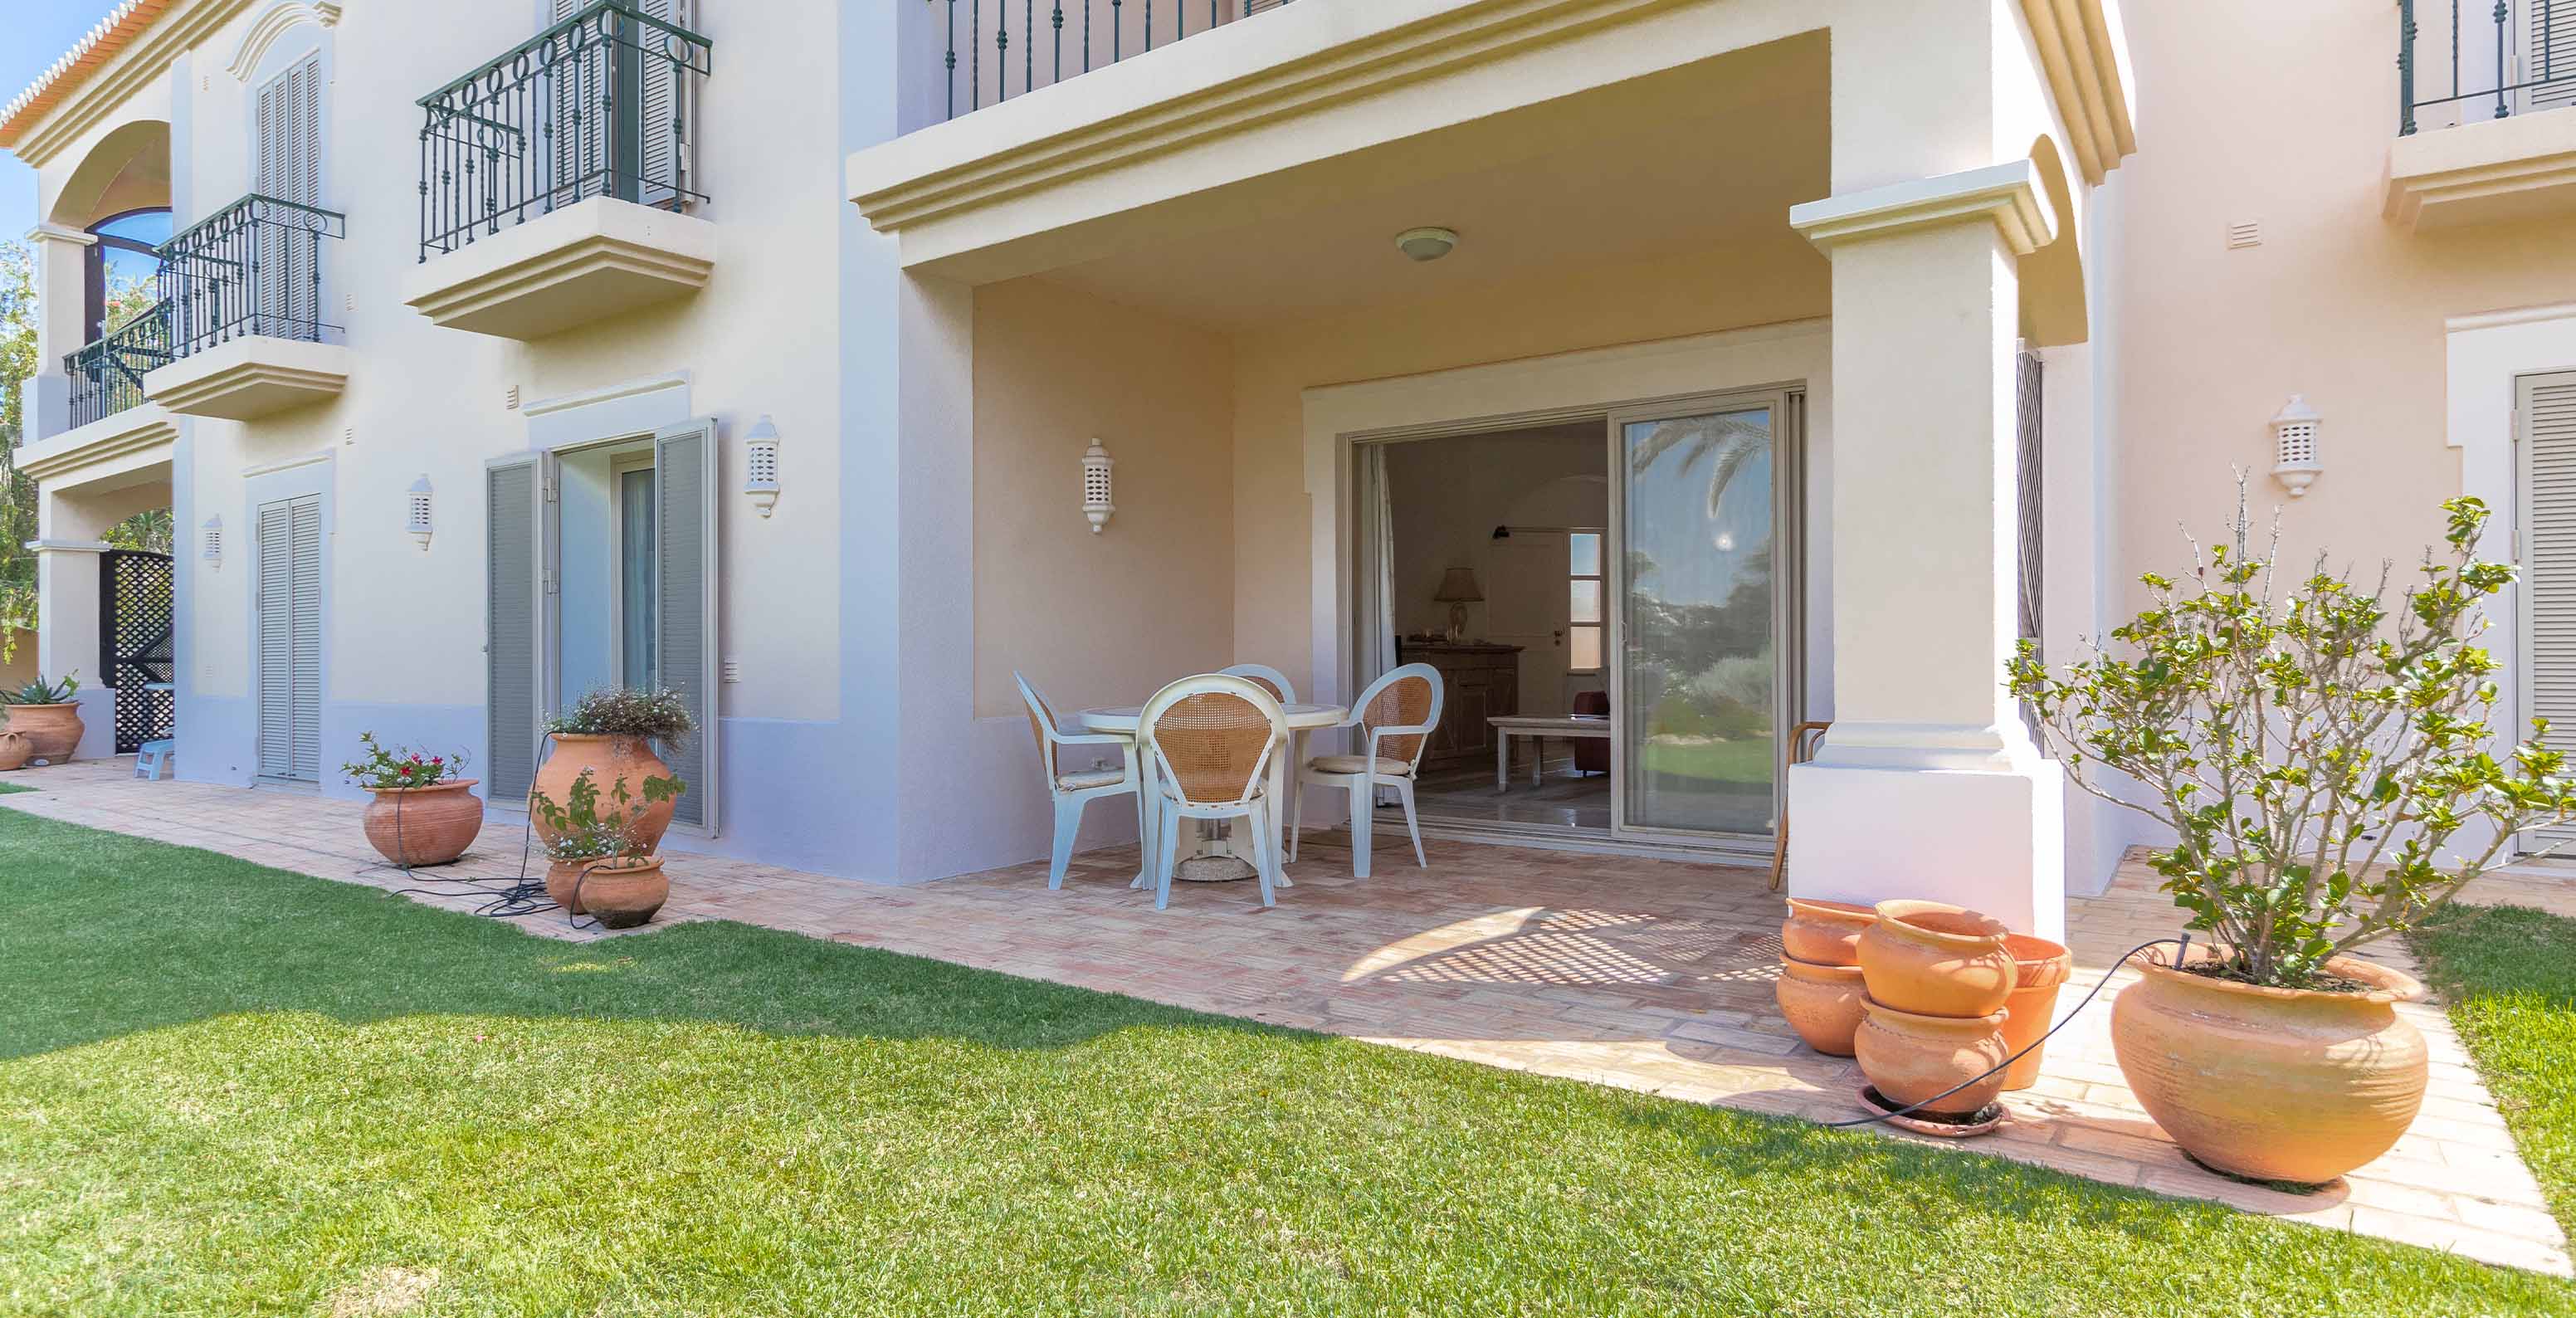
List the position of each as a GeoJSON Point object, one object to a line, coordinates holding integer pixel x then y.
{"type": "Point", "coordinates": [2545, 477]}
{"type": "Point", "coordinates": [289, 613]}
{"type": "Point", "coordinates": [286, 164]}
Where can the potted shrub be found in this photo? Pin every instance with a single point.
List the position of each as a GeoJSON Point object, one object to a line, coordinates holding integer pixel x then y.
{"type": "Point", "coordinates": [44, 713]}
{"type": "Point", "coordinates": [422, 812]}
{"type": "Point", "coordinates": [599, 863]}
{"type": "Point", "coordinates": [609, 734]}
{"type": "Point", "coordinates": [2328, 769]}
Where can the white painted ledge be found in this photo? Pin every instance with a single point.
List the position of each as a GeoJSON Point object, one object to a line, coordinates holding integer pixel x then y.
{"type": "Point", "coordinates": [250, 377]}
{"type": "Point", "coordinates": [2491, 172]}
{"type": "Point", "coordinates": [104, 449]}
{"type": "Point", "coordinates": [2008, 196]}
{"type": "Point", "coordinates": [585, 263]}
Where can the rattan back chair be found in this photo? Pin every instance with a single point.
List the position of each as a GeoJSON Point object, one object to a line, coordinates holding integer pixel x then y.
{"type": "Point", "coordinates": [1268, 678]}
{"type": "Point", "coordinates": [1396, 715]}
{"type": "Point", "coordinates": [1073, 789]}
{"type": "Point", "coordinates": [1207, 744]}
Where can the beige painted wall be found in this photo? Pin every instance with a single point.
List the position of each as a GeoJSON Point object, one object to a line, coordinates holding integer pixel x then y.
{"type": "Point", "coordinates": [1100, 619]}
{"type": "Point", "coordinates": [2337, 303]}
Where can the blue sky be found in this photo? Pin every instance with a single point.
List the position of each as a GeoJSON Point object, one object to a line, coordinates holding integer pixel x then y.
{"type": "Point", "coordinates": [36, 34]}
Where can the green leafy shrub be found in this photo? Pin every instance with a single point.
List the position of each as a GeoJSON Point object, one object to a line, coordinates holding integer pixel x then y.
{"type": "Point", "coordinates": [627, 712]}
{"type": "Point", "coordinates": [584, 830]}
{"type": "Point", "coordinates": [380, 769]}
{"type": "Point", "coordinates": [2314, 751]}
{"type": "Point", "coordinates": [42, 692]}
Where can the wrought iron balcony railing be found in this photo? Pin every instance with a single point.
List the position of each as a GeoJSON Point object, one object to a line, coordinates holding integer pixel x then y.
{"type": "Point", "coordinates": [254, 267]}
{"type": "Point", "coordinates": [599, 105]}
{"type": "Point", "coordinates": [1075, 37]}
{"type": "Point", "coordinates": [107, 375]}
{"type": "Point", "coordinates": [2484, 59]}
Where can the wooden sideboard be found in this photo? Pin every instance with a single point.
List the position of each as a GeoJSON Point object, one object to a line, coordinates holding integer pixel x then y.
{"type": "Point", "coordinates": [1483, 682]}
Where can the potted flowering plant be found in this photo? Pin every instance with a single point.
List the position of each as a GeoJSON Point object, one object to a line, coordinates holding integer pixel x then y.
{"type": "Point", "coordinates": [601, 863]}
{"type": "Point", "coordinates": [610, 735]}
{"type": "Point", "coordinates": [422, 812]}
{"type": "Point", "coordinates": [2329, 773]}
{"type": "Point", "coordinates": [45, 715]}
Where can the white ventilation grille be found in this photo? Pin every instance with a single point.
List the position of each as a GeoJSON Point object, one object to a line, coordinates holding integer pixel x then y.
{"type": "Point", "coordinates": [210, 539]}
{"type": "Point", "coordinates": [1097, 485]}
{"type": "Point", "coordinates": [2298, 443]}
{"type": "Point", "coordinates": [416, 513]}
{"type": "Point", "coordinates": [2297, 454]}
{"type": "Point", "coordinates": [2245, 233]}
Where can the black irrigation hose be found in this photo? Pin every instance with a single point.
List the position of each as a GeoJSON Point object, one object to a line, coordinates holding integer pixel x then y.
{"type": "Point", "coordinates": [2183, 942]}
{"type": "Point", "coordinates": [524, 896]}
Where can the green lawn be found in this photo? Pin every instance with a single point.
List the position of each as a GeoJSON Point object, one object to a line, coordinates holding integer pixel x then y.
{"type": "Point", "coordinates": [1743, 760]}
{"type": "Point", "coordinates": [8, 787]}
{"type": "Point", "coordinates": [2509, 973]}
{"type": "Point", "coordinates": [230, 1090]}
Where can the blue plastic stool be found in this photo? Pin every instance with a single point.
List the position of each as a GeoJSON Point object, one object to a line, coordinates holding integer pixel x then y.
{"type": "Point", "coordinates": [153, 761]}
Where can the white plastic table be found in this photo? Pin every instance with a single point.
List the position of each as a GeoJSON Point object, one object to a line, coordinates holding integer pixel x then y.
{"type": "Point", "coordinates": [1222, 857]}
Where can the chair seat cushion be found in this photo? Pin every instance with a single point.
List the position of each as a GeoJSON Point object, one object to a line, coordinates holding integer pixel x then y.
{"type": "Point", "coordinates": [1386, 768]}
{"type": "Point", "coordinates": [1075, 782]}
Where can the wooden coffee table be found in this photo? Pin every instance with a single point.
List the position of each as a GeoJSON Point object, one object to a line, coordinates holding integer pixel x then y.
{"type": "Point", "coordinates": [1538, 730]}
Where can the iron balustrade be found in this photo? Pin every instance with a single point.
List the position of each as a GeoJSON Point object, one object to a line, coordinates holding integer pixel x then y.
{"type": "Point", "coordinates": [597, 105]}
{"type": "Point", "coordinates": [107, 375]}
{"type": "Point", "coordinates": [2485, 59]}
{"type": "Point", "coordinates": [1079, 35]}
{"type": "Point", "coordinates": [254, 267]}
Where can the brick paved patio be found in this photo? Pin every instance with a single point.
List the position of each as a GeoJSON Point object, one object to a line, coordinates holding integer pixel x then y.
{"type": "Point", "coordinates": [1645, 974]}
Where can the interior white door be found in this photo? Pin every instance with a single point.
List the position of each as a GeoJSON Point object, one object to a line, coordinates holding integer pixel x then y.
{"type": "Point", "coordinates": [1524, 577]}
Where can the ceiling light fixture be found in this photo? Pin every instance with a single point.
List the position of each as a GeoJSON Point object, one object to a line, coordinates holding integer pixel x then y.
{"type": "Point", "coordinates": [1426, 244]}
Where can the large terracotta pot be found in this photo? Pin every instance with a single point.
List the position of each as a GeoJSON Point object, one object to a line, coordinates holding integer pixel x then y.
{"type": "Point", "coordinates": [610, 760]}
{"type": "Point", "coordinates": [1822, 1003]}
{"type": "Point", "coordinates": [15, 750]}
{"type": "Point", "coordinates": [563, 884]}
{"type": "Point", "coordinates": [430, 825]}
{"type": "Point", "coordinates": [2275, 1084]}
{"type": "Point", "coordinates": [1825, 933]}
{"type": "Point", "coordinates": [1936, 960]}
{"type": "Point", "coordinates": [1909, 1057]}
{"type": "Point", "coordinates": [624, 894]}
{"type": "Point", "coordinates": [52, 731]}
{"type": "Point", "coordinates": [2040, 968]}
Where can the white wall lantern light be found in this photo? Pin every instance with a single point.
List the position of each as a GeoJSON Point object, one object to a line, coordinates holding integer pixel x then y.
{"type": "Point", "coordinates": [760, 465]}
{"type": "Point", "coordinates": [210, 542]}
{"type": "Point", "coordinates": [417, 511]}
{"type": "Point", "coordinates": [1097, 486]}
{"type": "Point", "coordinates": [2296, 458]}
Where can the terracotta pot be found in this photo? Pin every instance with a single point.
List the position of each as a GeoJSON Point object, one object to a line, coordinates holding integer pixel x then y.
{"type": "Point", "coordinates": [563, 884]}
{"type": "Point", "coordinates": [430, 825]}
{"type": "Point", "coordinates": [1936, 960]}
{"type": "Point", "coordinates": [2276, 1084]}
{"type": "Point", "coordinates": [1822, 1003]}
{"type": "Point", "coordinates": [627, 893]}
{"type": "Point", "coordinates": [53, 732]}
{"type": "Point", "coordinates": [1910, 1057]}
{"type": "Point", "coordinates": [611, 760]}
{"type": "Point", "coordinates": [15, 750]}
{"type": "Point", "coordinates": [1824, 933]}
{"type": "Point", "coordinates": [2039, 968]}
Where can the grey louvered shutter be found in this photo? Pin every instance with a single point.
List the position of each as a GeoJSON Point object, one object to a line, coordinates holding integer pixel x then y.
{"type": "Point", "coordinates": [287, 123]}
{"type": "Point", "coordinates": [579, 93]}
{"type": "Point", "coordinates": [304, 619]}
{"type": "Point", "coordinates": [2545, 455]}
{"type": "Point", "coordinates": [664, 111]}
{"type": "Point", "coordinates": [289, 611]}
{"type": "Point", "coordinates": [684, 615]}
{"type": "Point", "coordinates": [275, 607]}
{"type": "Point", "coordinates": [516, 618]}
{"type": "Point", "coordinates": [2548, 54]}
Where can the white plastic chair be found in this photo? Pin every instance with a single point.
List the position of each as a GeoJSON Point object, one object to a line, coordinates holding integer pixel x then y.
{"type": "Point", "coordinates": [1206, 744]}
{"type": "Point", "coordinates": [1398, 713]}
{"type": "Point", "coordinates": [1263, 675]}
{"type": "Point", "coordinates": [1074, 789]}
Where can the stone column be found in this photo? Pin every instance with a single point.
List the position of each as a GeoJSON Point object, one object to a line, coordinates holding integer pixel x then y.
{"type": "Point", "coordinates": [1928, 785]}
{"type": "Point", "coordinates": [62, 306]}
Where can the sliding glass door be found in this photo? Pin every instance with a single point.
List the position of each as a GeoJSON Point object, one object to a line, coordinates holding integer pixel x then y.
{"type": "Point", "coordinates": [1702, 680]}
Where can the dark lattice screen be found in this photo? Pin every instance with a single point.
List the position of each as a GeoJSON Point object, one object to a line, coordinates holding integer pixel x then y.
{"type": "Point", "coordinates": [135, 642]}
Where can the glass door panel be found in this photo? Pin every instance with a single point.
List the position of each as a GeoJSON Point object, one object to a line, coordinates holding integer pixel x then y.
{"type": "Point", "coordinates": [1697, 611]}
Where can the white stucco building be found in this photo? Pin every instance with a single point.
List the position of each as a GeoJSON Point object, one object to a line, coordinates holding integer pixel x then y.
{"type": "Point", "coordinates": [473, 312]}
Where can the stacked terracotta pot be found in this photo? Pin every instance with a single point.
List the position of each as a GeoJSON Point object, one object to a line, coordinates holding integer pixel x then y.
{"type": "Point", "coordinates": [1820, 985]}
{"type": "Point", "coordinates": [1938, 979]}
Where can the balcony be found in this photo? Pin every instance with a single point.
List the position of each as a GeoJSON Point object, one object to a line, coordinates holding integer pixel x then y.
{"type": "Point", "coordinates": [1077, 37]}
{"type": "Point", "coordinates": [2482, 137]}
{"type": "Point", "coordinates": [243, 313]}
{"type": "Point", "coordinates": [107, 374]}
{"type": "Point", "coordinates": [555, 180]}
